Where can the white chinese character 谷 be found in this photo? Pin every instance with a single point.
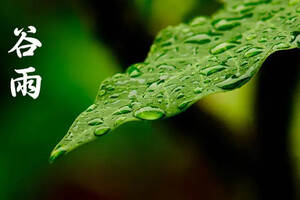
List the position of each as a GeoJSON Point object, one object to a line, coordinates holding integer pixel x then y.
{"type": "Point", "coordinates": [30, 44]}
{"type": "Point", "coordinates": [30, 85]}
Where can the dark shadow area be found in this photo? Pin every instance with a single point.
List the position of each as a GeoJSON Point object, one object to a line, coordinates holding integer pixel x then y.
{"type": "Point", "coordinates": [120, 27]}
{"type": "Point", "coordinates": [278, 79]}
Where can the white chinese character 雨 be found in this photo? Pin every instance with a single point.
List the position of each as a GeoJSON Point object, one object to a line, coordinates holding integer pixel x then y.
{"type": "Point", "coordinates": [30, 43]}
{"type": "Point", "coordinates": [30, 85]}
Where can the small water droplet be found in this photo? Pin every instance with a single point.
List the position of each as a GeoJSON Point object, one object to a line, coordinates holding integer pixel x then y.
{"type": "Point", "coordinates": [221, 48]}
{"type": "Point", "coordinates": [166, 67]}
{"type": "Point", "coordinates": [198, 21]}
{"type": "Point", "coordinates": [101, 93]}
{"type": "Point", "coordinates": [120, 121]}
{"type": "Point", "coordinates": [109, 87]}
{"type": "Point", "coordinates": [184, 105]}
{"type": "Point", "coordinates": [181, 95]}
{"type": "Point", "coordinates": [177, 89]}
{"type": "Point", "coordinates": [152, 87]}
{"type": "Point", "coordinates": [134, 70]}
{"type": "Point", "coordinates": [114, 96]}
{"type": "Point", "coordinates": [123, 110]}
{"type": "Point", "coordinates": [95, 122]}
{"type": "Point", "coordinates": [281, 46]}
{"type": "Point", "coordinates": [132, 94]}
{"type": "Point", "coordinates": [101, 131]}
{"type": "Point", "coordinates": [242, 8]}
{"type": "Point", "coordinates": [91, 108]}
{"type": "Point", "coordinates": [198, 39]}
{"type": "Point", "coordinates": [233, 83]}
{"type": "Point", "coordinates": [214, 69]}
{"type": "Point", "coordinates": [253, 52]}
{"type": "Point", "coordinates": [225, 24]}
{"type": "Point", "coordinates": [149, 113]}
{"type": "Point", "coordinates": [198, 90]}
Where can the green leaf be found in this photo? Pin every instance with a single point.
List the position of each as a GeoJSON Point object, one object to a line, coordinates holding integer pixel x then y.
{"type": "Point", "coordinates": [188, 62]}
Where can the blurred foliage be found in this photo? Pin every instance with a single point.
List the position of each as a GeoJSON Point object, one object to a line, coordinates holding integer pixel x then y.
{"type": "Point", "coordinates": [234, 108]}
{"type": "Point", "coordinates": [295, 134]}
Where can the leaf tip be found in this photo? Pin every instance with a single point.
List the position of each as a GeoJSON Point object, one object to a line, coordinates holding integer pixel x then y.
{"type": "Point", "coordinates": [56, 153]}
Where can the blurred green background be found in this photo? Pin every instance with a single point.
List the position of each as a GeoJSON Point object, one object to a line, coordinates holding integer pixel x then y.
{"type": "Point", "coordinates": [83, 43]}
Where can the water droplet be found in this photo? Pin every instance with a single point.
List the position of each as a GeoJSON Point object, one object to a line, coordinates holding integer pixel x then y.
{"type": "Point", "coordinates": [221, 48]}
{"type": "Point", "coordinates": [198, 90]}
{"type": "Point", "coordinates": [114, 96]}
{"type": "Point", "coordinates": [198, 39]}
{"type": "Point", "coordinates": [253, 52]}
{"type": "Point", "coordinates": [120, 121]}
{"type": "Point", "coordinates": [266, 16]}
{"type": "Point", "coordinates": [91, 108]}
{"type": "Point", "coordinates": [263, 40]}
{"type": "Point", "coordinates": [251, 36]}
{"type": "Point", "coordinates": [225, 24]}
{"type": "Point", "coordinates": [152, 87]}
{"type": "Point", "coordinates": [149, 113]}
{"type": "Point", "coordinates": [161, 95]}
{"type": "Point", "coordinates": [214, 69]}
{"type": "Point", "coordinates": [198, 21]}
{"type": "Point", "coordinates": [184, 105]}
{"type": "Point", "coordinates": [185, 78]}
{"type": "Point", "coordinates": [181, 95]}
{"type": "Point", "coordinates": [132, 94]}
{"type": "Point", "coordinates": [242, 8]}
{"type": "Point", "coordinates": [123, 110]}
{"type": "Point", "coordinates": [95, 122]}
{"type": "Point", "coordinates": [177, 89]}
{"type": "Point", "coordinates": [101, 131]}
{"type": "Point", "coordinates": [109, 87]}
{"type": "Point", "coordinates": [101, 93]}
{"type": "Point", "coordinates": [233, 83]}
{"type": "Point", "coordinates": [166, 67]}
{"type": "Point", "coordinates": [281, 46]}
{"type": "Point", "coordinates": [134, 70]}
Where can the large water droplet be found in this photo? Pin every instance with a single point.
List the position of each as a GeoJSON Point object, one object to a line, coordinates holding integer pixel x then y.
{"type": "Point", "coordinates": [221, 48]}
{"type": "Point", "coordinates": [101, 131]}
{"type": "Point", "coordinates": [149, 113]}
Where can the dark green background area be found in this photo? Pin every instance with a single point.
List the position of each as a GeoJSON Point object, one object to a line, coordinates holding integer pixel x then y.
{"type": "Point", "coordinates": [199, 155]}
